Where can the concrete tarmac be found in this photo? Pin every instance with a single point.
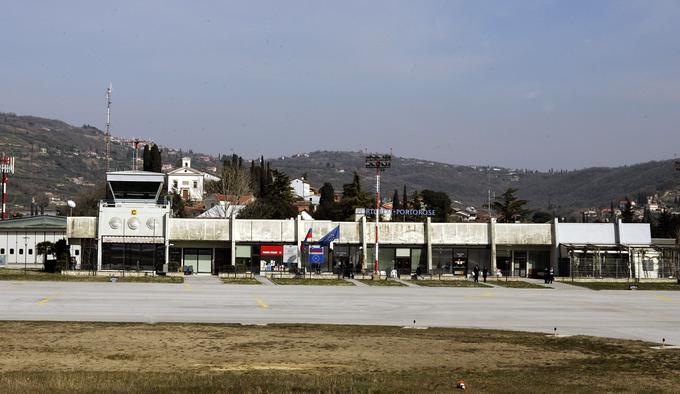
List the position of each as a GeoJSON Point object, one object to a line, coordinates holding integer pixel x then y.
{"type": "Point", "coordinates": [644, 315]}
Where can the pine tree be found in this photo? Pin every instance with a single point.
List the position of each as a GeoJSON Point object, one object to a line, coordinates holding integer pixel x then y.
{"type": "Point", "coordinates": [178, 206]}
{"type": "Point", "coordinates": [440, 202]}
{"type": "Point", "coordinates": [276, 199]}
{"type": "Point", "coordinates": [395, 200]}
{"type": "Point", "coordinates": [353, 197]}
{"type": "Point", "coordinates": [510, 207]}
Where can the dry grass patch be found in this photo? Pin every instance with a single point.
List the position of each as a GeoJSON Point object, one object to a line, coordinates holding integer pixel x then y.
{"type": "Point", "coordinates": [448, 283]}
{"type": "Point", "coordinates": [240, 281]}
{"type": "Point", "coordinates": [35, 275]}
{"type": "Point", "coordinates": [381, 282]}
{"type": "Point", "coordinates": [312, 282]}
{"type": "Point", "coordinates": [604, 285]}
{"type": "Point", "coordinates": [47, 357]}
{"type": "Point", "coordinates": [517, 284]}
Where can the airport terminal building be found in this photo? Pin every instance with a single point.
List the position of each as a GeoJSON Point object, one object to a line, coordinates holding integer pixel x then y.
{"type": "Point", "coordinates": [136, 231]}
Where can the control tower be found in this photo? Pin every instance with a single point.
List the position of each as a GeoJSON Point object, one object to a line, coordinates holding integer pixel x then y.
{"type": "Point", "coordinates": [133, 223]}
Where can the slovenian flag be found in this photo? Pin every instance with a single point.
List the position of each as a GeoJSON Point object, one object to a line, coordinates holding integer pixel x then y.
{"type": "Point", "coordinates": [307, 239]}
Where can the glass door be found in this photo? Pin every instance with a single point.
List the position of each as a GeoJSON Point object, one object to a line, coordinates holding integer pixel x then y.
{"type": "Point", "coordinates": [204, 261]}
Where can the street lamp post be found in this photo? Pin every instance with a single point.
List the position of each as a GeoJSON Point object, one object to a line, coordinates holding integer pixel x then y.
{"type": "Point", "coordinates": [26, 237]}
{"type": "Point", "coordinates": [380, 163]}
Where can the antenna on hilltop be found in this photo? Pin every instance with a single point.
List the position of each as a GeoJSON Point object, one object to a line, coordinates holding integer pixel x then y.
{"type": "Point", "coordinates": [107, 136]}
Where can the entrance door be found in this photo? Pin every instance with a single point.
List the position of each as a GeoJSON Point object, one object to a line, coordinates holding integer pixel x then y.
{"type": "Point", "coordinates": [185, 194]}
{"type": "Point", "coordinates": [199, 259]}
{"type": "Point", "coordinates": [403, 265]}
{"type": "Point", "coordinates": [520, 263]}
{"type": "Point", "coordinates": [204, 265]}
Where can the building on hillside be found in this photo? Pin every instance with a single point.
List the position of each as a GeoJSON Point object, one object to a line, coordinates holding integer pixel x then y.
{"type": "Point", "coordinates": [224, 206]}
{"type": "Point", "coordinates": [221, 212]}
{"type": "Point", "coordinates": [19, 237]}
{"type": "Point", "coordinates": [653, 204]}
{"type": "Point", "coordinates": [461, 215]}
{"type": "Point", "coordinates": [606, 214]}
{"type": "Point", "coordinates": [302, 189]}
{"type": "Point", "coordinates": [188, 182]}
{"type": "Point", "coordinates": [227, 199]}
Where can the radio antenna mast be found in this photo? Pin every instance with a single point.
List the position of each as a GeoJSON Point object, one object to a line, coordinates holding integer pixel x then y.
{"type": "Point", "coordinates": [107, 136]}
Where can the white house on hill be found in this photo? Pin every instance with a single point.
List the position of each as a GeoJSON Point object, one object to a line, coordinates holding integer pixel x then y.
{"type": "Point", "coordinates": [303, 190]}
{"type": "Point", "coordinates": [188, 182]}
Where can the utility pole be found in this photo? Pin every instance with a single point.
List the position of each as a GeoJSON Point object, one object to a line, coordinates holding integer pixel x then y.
{"type": "Point", "coordinates": [380, 163]}
{"type": "Point", "coordinates": [107, 135]}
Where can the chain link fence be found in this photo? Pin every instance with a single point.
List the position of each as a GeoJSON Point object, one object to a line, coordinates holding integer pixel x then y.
{"type": "Point", "coordinates": [623, 268]}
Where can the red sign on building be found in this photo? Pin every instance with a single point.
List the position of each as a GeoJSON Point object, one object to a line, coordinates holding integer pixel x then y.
{"type": "Point", "coordinates": [271, 250]}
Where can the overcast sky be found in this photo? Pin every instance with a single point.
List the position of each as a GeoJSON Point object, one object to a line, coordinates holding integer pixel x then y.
{"type": "Point", "coordinates": [527, 84]}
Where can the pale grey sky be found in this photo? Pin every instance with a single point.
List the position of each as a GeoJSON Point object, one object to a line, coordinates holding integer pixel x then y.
{"type": "Point", "coordinates": [529, 84]}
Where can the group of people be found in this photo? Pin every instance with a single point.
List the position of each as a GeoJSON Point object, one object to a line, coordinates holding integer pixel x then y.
{"type": "Point", "coordinates": [548, 275]}
{"type": "Point", "coordinates": [475, 273]}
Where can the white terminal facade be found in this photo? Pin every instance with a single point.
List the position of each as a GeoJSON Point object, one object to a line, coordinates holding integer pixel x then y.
{"type": "Point", "coordinates": [135, 231]}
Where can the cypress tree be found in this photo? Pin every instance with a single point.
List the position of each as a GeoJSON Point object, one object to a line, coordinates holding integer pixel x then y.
{"type": "Point", "coordinates": [395, 200]}
{"type": "Point", "coordinates": [155, 159]}
{"type": "Point", "coordinates": [146, 156]}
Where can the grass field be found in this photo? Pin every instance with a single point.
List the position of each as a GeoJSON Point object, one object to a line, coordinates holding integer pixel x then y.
{"type": "Point", "coordinates": [240, 281]}
{"type": "Point", "coordinates": [45, 357]}
{"type": "Point", "coordinates": [12, 274]}
{"type": "Point", "coordinates": [447, 283]}
{"type": "Point", "coordinates": [313, 282]}
{"type": "Point", "coordinates": [381, 282]}
{"type": "Point", "coordinates": [517, 284]}
{"type": "Point", "coordinates": [625, 286]}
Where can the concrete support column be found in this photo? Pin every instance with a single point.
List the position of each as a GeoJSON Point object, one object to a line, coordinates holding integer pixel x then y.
{"type": "Point", "coordinates": [99, 252]}
{"type": "Point", "coordinates": [428, 243]}
{"type": "Point", "coordinates": [232, 239]}
{"type": "Point", "coordinates": [555, 249]}
{"type": "Point", "coordinates": [364, 252]}
{"type": "Point", "coordinates": [298, 241]}
{"type": "Point", "coordinates": [492, 246]}
{"type": "Point", "coordinates": [166, 237]}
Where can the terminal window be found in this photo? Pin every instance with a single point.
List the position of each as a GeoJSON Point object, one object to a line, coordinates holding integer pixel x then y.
{"type": "Point", "coordinates": [11, 251]}
{"type": "Point", "coordinates": [21, 251]}
{"type": "Point", "coordinates": [30, 251]}
{"type": "Point", "coordinates": [2, 250]}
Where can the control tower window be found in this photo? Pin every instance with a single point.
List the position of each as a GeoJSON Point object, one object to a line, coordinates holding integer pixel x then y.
{"type": "Point", "coordinates": [135, 190]}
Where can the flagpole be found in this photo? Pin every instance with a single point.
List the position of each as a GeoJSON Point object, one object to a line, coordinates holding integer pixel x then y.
{"type": "Point", "coordinates": [377, 212]}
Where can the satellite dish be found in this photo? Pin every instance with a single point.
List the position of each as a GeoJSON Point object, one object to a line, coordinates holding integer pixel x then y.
{"type": "Point", "coordinates": [71, 203]}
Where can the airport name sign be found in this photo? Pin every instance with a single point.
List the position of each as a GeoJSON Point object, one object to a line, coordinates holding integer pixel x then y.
{"type": "Point", "coordinates": [384, 211]}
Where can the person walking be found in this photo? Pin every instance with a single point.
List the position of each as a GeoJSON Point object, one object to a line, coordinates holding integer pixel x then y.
{"type": "Point", "coordinates": [551, 276]}
{"type": "Point", "coordinates": [485, 272]}
{"type": "Point", "coordinates": [546, 275]}
{"type": "Point", "coordinates": [475, 272]}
